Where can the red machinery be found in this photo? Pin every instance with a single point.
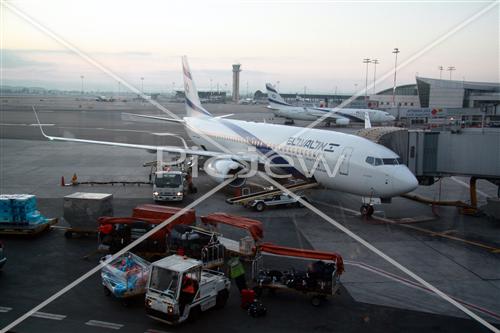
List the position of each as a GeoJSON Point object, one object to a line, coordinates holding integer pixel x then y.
{"type": "Point", "coordinates": [117, 232]}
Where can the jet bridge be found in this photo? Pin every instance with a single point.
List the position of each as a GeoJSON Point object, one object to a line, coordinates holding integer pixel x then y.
{"type": "Point", "coordinates": [431, 154]}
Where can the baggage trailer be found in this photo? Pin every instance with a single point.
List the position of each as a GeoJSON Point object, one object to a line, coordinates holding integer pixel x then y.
{"type": "Point", "coordinates": [319, 281]}
{"type": "Point", "coordinates": [244, 247]}
{"type": "Point", "coordinates": [114, 233]}
{"type": "Point", "coordinates": [179, 288]}
{"type": "Point", "coordinates": [126, 276]}
{"type": "Point", "coordinates": [81, 211]}
{"type": "Point", "coordinates": [19, 215]}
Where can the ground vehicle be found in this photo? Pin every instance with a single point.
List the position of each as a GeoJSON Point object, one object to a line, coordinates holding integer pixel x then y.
{"type": "Point", "coordinates": [125, 276]}
{"type": "Point", "coordinates": [169, 185]}
{"type": "Point", "coordinates": [178, 288]}
{"type": "Point", "coordinates": [320, 280]}
{"type": "Point", "coordinates": [277, 200]}
{"type": "Point", "coordinates": [3, 260]}
{"type": "Point", "coordinates": [116, 232]}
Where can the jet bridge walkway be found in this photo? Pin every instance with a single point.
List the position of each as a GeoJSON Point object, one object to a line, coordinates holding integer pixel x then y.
{"type": "Point", "coordinates": [243, 199]}
{"type": "Point", "coordinates": [430, 155]}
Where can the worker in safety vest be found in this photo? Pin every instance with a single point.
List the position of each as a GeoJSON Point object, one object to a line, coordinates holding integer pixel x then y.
{"type": "Point", "coordinates": [237, 272]}
{"type": "Point", "coordinates": [188, 292]}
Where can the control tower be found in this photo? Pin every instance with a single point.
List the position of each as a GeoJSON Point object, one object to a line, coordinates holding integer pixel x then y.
{"type": "Point", "coordinates": [236, 82]}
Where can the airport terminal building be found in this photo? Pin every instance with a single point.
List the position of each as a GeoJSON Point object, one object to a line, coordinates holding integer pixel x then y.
{"type": "Point", "coordinates": [433, 99]}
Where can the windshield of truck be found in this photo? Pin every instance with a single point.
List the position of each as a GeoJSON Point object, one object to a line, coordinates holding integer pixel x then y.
{"type": "Point", "coordinates": [164, 281]}
{"type": "Point", "coordinates": [168, 180]}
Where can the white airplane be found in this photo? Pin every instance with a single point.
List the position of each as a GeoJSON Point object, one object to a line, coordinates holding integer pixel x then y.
{"type": "Point", "coordinates": [342, 116]}
{"type": "Point", "coordinates": [359, 166]}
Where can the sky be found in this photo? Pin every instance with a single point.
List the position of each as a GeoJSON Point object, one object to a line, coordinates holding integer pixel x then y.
{"type": "Point", "coordinates": [316, 46]}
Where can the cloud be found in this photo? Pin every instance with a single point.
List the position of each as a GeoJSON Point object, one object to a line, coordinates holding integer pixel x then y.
{"type": "Point", "coordinates": [20, 59]}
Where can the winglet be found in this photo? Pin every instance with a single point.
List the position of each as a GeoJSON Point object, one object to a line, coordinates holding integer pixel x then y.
{"type": "Point", "coordinates": [39, 124]}
{"type": "Point", "coordinates": [368, 124]}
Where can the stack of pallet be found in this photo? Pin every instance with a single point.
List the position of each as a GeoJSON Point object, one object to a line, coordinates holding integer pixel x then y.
{"type": "Point", "coordinates": [19, 209]}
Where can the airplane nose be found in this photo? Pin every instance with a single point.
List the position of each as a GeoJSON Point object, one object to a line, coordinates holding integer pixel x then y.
{"type": "Point", "coordinates": [403, 181]}
{"type": "Point", "coordinates": [391, 118]}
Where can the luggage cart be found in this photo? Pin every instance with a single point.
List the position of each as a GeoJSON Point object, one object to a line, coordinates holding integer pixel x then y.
{"type": "Point", "coordinates": [320, 281]}
{"type": "Point", "coordinates": [126, 276]}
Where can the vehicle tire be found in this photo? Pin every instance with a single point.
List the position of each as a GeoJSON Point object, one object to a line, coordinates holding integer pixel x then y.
{"type": "Point", "coordinates": [258, 291]}
{"type": "Point", "coordinates": [260, 206]}
{"type": "Point", "coordinates": [370, 210]}
{"type": "Point", "coordinates": [366, 210]}
{"type": "Point", "coordinates": [194, 314]}
{"type": "Point", "coordinates": [68, 234]}
{"type": "Point", "coordinates": [221, 299]}
{"type": "Point", "coordinates": [316, 301]}
{"type": "Point", "coordinates": [107, 292]}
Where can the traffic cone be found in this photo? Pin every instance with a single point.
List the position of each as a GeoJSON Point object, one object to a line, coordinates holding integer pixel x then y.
{"type": "Point", "coordinates": [62, 181]}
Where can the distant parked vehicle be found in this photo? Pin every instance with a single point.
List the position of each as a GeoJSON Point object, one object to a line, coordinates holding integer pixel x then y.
{"type": "Point", "coordinates": [3, 260]}
{"type": "Point", "coordinates": [277, 200]}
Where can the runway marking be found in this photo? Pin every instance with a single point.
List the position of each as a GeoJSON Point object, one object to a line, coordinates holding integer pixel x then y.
{"type": "Point", "coordinates": [458, 181]}
{"type": "Point", "coordinates": [416, 285]}
{"type": "Point", "coordinates": [4, 309]}
{"type": "Point", "coordinates": [46, 315]}
{"type": "Point", "coordinates": [24, 125]}
{"type": "Point", "coordinates": [104, 324]}
{"type": "Point", "coordinates": [447, 234]}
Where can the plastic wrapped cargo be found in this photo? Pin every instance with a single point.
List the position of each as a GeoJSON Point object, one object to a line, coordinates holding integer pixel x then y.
{"type": "Point", "coordinates": [126, 275]}
{"type": "Point", "coordinates": [81, 210]}
{"type": "Point", "coordinates": [19, 209]}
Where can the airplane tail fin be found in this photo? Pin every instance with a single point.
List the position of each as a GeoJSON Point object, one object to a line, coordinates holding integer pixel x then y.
{"type": "Point", "coordinates": [193, 104]}
{"type": "Point", "coordinates": [274, 98]}
{"type": "Point", "coordinates": [368, 123]}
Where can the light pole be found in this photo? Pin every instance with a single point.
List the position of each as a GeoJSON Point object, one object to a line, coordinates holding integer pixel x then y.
{"type": "Point", "coordinates": [396, 51]}
{"type": "Point", "coordinates": [119, 84]}
{"type": "Point", "coordinates": [451, 69]}
{"type": "Point", "coordinates": [210, 86]}
{"type": "Point", "coordinates": [142, 85]}
{"type": "Point", "coordinates": [440, 72]}
{"type": "Point", "coordinates": [366, 61]}
{"type": "Point", "coordinates": [375, 62]}
{"type": "Point", "coordinates": [82, 77]}
{"type": "Point", "coordinates": [173, 89]}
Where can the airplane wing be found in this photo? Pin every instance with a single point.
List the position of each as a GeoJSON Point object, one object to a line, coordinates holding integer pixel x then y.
{"type": "Point", "coordinates": [135, 117]}
{"type": "Point", "coordinates": [172, 149]}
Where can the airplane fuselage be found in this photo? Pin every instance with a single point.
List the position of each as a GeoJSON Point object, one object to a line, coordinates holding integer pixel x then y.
{"type": "Point", "coordinates": [348, 153]}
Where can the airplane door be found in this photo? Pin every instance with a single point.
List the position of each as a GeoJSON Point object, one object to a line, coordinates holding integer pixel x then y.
{"type": "Point", "coordinates": [344, 166]}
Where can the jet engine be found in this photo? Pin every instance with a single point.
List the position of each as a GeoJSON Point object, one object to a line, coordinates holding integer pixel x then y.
{"type": "Point", "coordinates": [222, 169]}
{"type": "Point", "coordinates": [341, 121]}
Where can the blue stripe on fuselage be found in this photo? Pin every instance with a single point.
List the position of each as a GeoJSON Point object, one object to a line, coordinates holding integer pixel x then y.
{"type": "Point", "coordinates": [261, 147]}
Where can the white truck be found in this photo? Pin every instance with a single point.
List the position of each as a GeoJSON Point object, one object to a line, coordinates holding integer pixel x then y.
{"type": "Point", "coordinates": [169, 185]}
{"type": "Point", "coordinates": [179, 288]}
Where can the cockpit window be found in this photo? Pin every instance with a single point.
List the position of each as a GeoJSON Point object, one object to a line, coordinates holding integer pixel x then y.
{"type": "Point", "coordinates": [383, 161]}
{"type": "Point", "coordinates": [390, 161]}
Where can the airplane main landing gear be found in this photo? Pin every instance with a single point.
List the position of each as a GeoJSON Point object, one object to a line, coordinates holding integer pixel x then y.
{"type": "Point", "coordinates": [366, 210]}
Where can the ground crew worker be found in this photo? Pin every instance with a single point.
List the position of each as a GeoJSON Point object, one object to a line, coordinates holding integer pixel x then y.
{"type": "Point", "coordinates": [237, 272]}
{"type": "Point", "coordinates": [188, 292]}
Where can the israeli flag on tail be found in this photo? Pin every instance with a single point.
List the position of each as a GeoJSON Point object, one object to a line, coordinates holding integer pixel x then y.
{"type": "Point", "coordinates": [274, 98]}
{"type": "Point", "coordinates": [193, 104]}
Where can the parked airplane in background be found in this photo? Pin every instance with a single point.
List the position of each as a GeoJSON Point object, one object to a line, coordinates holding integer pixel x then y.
{"type": "Point", "coordinates": [343, 162]}
{"type": "Point", "coordinates": [104, 99]}
{"type": "Point", "coordinates": [342, 116]}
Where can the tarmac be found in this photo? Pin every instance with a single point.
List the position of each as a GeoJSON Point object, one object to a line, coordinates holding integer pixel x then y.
{"type": "Point", "coordinates": [375, 296]}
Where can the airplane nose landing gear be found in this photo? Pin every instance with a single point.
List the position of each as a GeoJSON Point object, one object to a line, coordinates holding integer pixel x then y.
{"type": "Point", "coordinates": [366, 210]}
